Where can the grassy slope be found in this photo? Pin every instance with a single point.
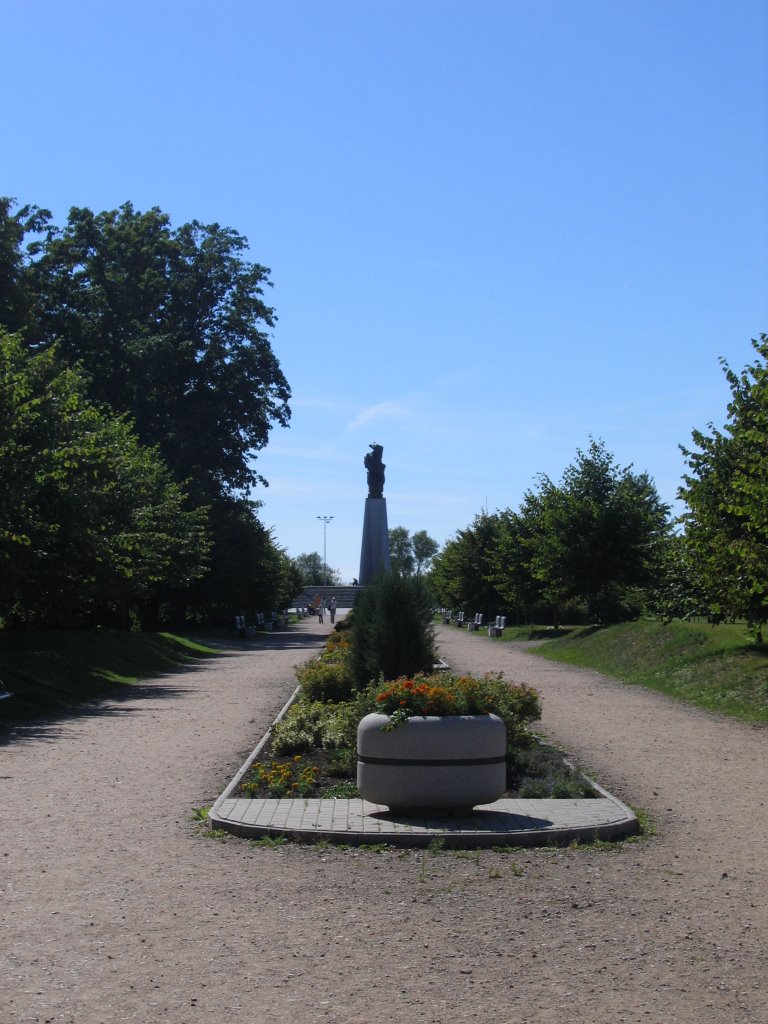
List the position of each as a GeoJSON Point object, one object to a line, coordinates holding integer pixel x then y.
{"type": "Point", "coordinates": [714, 667]}
{"type": "Point", "coordinates": [49, 671]}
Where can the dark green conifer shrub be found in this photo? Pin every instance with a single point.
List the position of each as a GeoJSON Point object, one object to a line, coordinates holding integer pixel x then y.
{"type": "Point", "coordinates": [392, 632]}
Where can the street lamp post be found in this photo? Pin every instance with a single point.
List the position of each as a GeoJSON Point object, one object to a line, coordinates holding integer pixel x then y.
{"type": "Point", "coordinates": [325, 520]}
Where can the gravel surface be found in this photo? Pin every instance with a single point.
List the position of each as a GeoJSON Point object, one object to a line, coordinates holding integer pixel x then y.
{"type": "Point", "coordinates": [117, 908]}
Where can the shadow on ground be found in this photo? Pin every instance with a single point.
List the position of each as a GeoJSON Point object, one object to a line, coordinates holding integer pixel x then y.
{"type": "Point", "coordinates": [127, 698]}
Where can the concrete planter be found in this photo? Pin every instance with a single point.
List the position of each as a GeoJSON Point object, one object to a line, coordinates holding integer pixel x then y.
{"type": "Point", "coordinates": [441, 762]}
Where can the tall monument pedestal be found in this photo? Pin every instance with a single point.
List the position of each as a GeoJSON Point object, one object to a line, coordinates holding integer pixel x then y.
{"type": "Point", "coordinates": [374, 556]}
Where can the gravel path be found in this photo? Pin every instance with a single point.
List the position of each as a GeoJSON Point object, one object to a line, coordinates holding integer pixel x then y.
{"type": "Point", "coordinates": [117, 908]}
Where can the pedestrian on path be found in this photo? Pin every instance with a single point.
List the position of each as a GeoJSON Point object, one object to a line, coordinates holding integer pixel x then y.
{"type": "Point", "coordinates": [332, 609]}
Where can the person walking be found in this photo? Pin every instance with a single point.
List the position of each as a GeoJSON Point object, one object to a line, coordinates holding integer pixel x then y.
{"type": "Point", "coordinates": [332, 609]}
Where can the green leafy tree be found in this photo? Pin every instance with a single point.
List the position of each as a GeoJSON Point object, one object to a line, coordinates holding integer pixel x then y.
{"type": "Point", "coordinates": [411, 554]}
{"type": "Point", "coordinates": [289, 581]}
{"type": "Point", "coordinates": [424, 550]}
{"type": "Point", "coordinates": [598, 536]}
{"type": "Point", "coordinates": [89, 518]}
{"type": "Point", "coordinates": [726, 493]}
{"type": "Point", "coordinates": [678, 591]}
{"type": "Point", "coordinates": [249, 572]}
{"type": "Point", "coordinates": [463, 571]}
{"type": "Point", "coordinates": [313, 572]}
{"type": "Point", "coordinates": [511, 557]}
{"type": "Point", "coordinates": [171, 327]}
{"type": "Point", "coordinates": [401, 551]}
{"type": "Point", "coordinates": [15, 293]}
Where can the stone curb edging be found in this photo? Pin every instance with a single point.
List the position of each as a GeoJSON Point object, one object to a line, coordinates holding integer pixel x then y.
{"type": "Point", "coordinates": [253, 755]}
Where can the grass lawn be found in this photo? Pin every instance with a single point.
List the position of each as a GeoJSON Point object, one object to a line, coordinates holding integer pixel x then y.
{"type": "Point", "coordinates": [50, 671]}
{"type": "Point", "coordinates": [713, 667]}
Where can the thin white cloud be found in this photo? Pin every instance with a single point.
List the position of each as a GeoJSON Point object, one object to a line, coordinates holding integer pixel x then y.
{"type": "Point", "coordinates": [382, 411]}
{"type": "Point", "coordinates": [326, 404]}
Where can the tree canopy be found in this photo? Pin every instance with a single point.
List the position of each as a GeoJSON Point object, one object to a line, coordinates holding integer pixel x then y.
{"type": "Point", "coordinates": [312, 571]}
{"type": "Point", "coordinates": [595, 538]}
{"type": "Point", "coordinates": [401, 551]}
{"type": "Point", "coordinates": [461, 572]}
{"type": "Point", "coordinates": [411, 554]}
{"type": "Point", "coordinates": [88, 516]}
{"type": "Point", "coordinates": [726, 493]}
{"type": "Point", "coordinates": [170, 325]}
{"type": "Point", "coordinates": [155, 341]}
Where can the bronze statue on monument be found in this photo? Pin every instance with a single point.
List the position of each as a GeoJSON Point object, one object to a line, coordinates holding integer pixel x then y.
{"type": "Point", "coordinates": [374, 554]}
{"type": "Point", "coordinates": [375, 468]}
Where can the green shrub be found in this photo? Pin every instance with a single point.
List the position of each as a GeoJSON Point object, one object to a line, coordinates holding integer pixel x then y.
{"type": "Point", "coordinates": [392, 632]}
{"type": "Point", "coordinates": [518, 705]}
{"type": "Point", "coordinates": [338, 728]}
{"type": "Point", "coordinates": [300, 729]}
{"type": "Point", "coordinates": [310, 724]}
{"type": "Point", "coordinates": [326, 679]}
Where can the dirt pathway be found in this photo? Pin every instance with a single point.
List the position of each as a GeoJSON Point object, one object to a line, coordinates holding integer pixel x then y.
{"type": "Point", "coordinates": [116, 909]}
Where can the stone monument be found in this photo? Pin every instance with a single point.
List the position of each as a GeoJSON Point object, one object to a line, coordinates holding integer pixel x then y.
{"type": "Point", "coordinates": [374, 556]}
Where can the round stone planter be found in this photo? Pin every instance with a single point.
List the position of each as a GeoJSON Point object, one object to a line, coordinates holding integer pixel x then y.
{"type": "Point", "coordinates": [441, 762]}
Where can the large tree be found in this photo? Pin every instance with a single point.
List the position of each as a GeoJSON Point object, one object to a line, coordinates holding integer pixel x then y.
{"type": "Point", "coordinates": [462, 572]}
{"type": "Point", "coordinates": [401, 551]}
{"type": "Point", "coordinates": [726, 491]}
{"type": "Point", "coordinates": [249, 572]}
{"type": "Point", "coordinates": [313, 572]}
{"type": "Point", "coordinates": [424, 550]}
{"type": "Point", "coordinates": [598, 535]}
{"type": "Point", "coordinates": [90, 520]}
{"type": "Point", "coordinates": [511, 556]}
{"type": "Point", "coordinates": [15, 252]}
{"type": "Point", "coordinates": [411, 554]}
{"type": "Point", "coordinates": [171, 326]}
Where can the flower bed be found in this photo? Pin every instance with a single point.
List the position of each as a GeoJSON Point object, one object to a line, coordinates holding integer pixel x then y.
{"type": "Point", "coordinates": [321, 737]}
{"type": "Point", "coordinates": [312, 750]}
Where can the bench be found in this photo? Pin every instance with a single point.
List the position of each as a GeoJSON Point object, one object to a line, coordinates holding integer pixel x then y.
{"type": "Point", "coordinates": [476, 623]}
{"type": "Point", "coordinates": [460, 619]}
{"type": "Point", "coordinates": [496, 628]}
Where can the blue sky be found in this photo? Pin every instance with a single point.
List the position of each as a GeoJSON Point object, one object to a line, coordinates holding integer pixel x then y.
{"type": "Point", "coordinates": [495, 229]}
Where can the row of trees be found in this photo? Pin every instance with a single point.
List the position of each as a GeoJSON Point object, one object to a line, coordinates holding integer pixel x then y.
{"type": "Point", "coordinates": [410, 556]}
{"type": "Point", "coordinates": [725, 552]}
{"type": "Point", "coordinates": [138, 385]}
{"type": "Point", "coordinates": [602, 544]}
{"type": "Point", "coordinates": [593, 540]}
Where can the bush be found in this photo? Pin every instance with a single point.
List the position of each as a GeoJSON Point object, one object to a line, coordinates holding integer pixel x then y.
{"type": "Point", "coordinates": [392, 632]}
{"type": "Point", "coordinates": [300, 729]}
{"type": "Point", "coordinates": [325, 680]}
{"type": "Point", "coordinates": [310, 725]}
